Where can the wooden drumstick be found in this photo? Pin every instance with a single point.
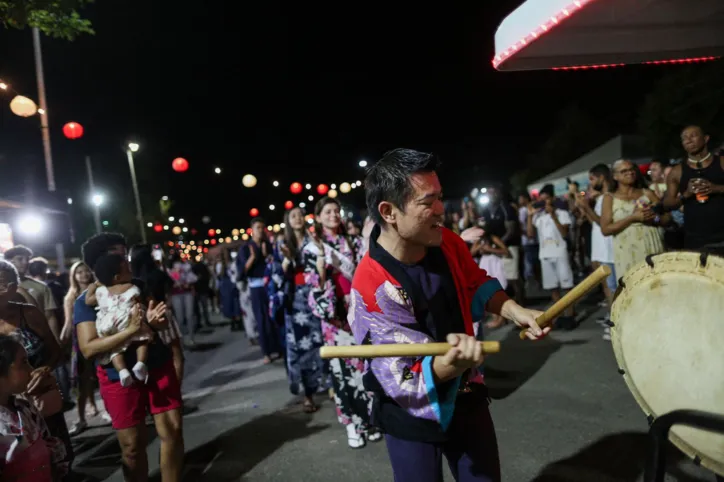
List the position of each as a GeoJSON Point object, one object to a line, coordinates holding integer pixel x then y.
{"type": "Point", "coordinates": [575, 294]}
{"type": "Point", "coordinates": [397, 349]}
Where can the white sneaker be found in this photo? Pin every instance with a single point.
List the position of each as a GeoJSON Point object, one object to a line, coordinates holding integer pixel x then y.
{"type": "Point", "coordinates": [354, 439]}
{"type": "Point", "coordinates": [373, 436]}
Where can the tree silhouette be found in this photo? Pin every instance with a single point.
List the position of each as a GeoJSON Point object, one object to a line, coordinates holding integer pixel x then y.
{"type": "Point", "coordinates": [687, 95]}
{"type": "Point", "coordinates": [575, 133]}
{"type": "Point", "coordinates": [55, 18]}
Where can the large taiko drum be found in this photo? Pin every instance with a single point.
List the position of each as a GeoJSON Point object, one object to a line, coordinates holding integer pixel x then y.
{"type": "Point", "coordinates": [668, 338]}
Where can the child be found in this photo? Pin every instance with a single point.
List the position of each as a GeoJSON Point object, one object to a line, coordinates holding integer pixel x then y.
{"type": "Point", "coordinates": [492, 250]}
{"type": "Point", "coordinates": [27, 450]}
{"type": "Point", "coordinates": [115, 299]}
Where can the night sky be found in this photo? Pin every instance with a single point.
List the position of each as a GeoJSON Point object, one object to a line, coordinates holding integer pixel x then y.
{"type": "Point", "coordinates": [286, 92]}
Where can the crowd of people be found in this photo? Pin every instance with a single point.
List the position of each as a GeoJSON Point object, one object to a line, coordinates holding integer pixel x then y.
{"type": "Point", "coordinates": [619, 219]}
{"type": "Point", "coordinates": [123, 316]}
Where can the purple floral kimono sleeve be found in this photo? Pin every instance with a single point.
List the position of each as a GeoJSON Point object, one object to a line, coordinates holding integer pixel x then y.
{"type": "Point", "coordinates": [408, 381]}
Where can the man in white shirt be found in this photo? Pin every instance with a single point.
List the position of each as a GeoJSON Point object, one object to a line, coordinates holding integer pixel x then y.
{"type": "Point", "coordinates": [551, 226]}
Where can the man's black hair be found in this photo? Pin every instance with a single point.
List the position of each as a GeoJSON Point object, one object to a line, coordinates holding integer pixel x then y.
{"type": "Point", "coordinates": [98, 245]}
{"type": "Point", "coordinates": [107, 267]}
{"type": "Point", "coordinates": [525, 194]}
{"type": "Point", "coordinates": [9, 348]}
{"type": "Point", "coordinates": [257, 219]}
{"type": "Point", "coordinates": [18, 250]}
{"type": "Point", "coordinates": [38, 267]}
{"type": "Point", "coordinates": [11, 270]}
{"type": "Point", "coordinates": [389, 179]}
{"type": "Point", "coordinates": [548, 189]}
{"type": "Point", "coordinates": [600, 170]}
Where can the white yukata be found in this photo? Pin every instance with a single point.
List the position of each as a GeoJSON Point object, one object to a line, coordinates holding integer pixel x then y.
{"type": "Point", "coordinates": [113, 314]}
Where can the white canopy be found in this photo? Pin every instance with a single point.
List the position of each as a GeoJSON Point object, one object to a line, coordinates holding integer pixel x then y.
{"type": "Point", "coordinates": [552, 34]}
{"type": "Point", "coordinates": [632, 148]}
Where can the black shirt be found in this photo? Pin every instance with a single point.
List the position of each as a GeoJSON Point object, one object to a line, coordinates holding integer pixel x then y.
{"type": "Point", "coordinates": [496, 215]}
{"type": "Point", "coordinates": [703, 222]}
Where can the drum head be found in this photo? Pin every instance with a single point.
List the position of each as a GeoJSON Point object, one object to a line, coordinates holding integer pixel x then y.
{"type": "Point", "coordinates": [668, 340]}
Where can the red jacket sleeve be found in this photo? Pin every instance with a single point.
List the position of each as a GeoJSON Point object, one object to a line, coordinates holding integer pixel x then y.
{"type": "Point", "coordinates": [485, 289]}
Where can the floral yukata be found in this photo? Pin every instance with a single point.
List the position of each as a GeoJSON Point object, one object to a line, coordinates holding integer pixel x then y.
{"type": "Point", "coordinates": [392, 302]}
{"type": "Point", "coordinates": [329, 302]}
{"type": "Point", "coordinates": [289, 295]}
{"type": "Point", "coordinates": [28, 452]}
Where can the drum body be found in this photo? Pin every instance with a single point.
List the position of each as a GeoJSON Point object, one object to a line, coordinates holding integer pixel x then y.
{"type": "Point", "coordinates": [668, 338]}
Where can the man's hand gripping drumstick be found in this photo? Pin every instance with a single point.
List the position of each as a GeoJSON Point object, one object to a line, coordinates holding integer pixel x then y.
{"type": "Point", "coordinates": [576, 293]}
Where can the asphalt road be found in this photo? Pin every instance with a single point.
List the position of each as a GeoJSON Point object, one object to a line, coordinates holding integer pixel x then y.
{"type": "Point", "coordinates": [562, 413]}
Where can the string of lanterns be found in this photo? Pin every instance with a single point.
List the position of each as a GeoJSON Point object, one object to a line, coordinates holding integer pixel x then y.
{"type": "Point", "coordinates": [25, 107]}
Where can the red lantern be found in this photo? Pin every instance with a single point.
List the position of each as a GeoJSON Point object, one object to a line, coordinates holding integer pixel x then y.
{"type": "Point", "coordinates": [248, 231]}
{"type": "Point", "coordinates": [213, 242]}
{"type": "Point", "coordinates": [288, 205]}
{"type": "Point", "coordinates": [644, 168]}
{"type": "Point", "coordinates": [295, 188]}
{"type": "Point", "coordinates": [253, 212]}
{"type": "Point", "coordinates": [212, 233]}
{"type": "Point", "coordinates": [194, 232]}
{"type": "Point", "coordinates": [180, 164]}
{"type": "Point", "coordinates": [206, 250]}
{"type": "Point", "coordinates": [158, 228]}
{"type": "Point", "coordinates": [73, 130]}
{"type": "Point", "coordinates": [322, 189]}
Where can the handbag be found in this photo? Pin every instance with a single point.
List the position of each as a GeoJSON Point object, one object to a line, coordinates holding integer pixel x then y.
{"type": "Point", "coordinates": [50, 400]}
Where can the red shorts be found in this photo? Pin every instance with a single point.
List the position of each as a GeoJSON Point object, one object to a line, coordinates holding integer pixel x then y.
{"type": "Point", "coordinates": [127, 406]}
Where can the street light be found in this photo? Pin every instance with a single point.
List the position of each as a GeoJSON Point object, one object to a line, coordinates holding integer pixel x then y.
{"type": "Point", "coordinates": [97, 201]}
{"type": "Point", "coordinates": [30, 224]}
{"type": "Point", "coordinates": [133, 147]}
{"type": "Point", "coordinates": [362, 163]}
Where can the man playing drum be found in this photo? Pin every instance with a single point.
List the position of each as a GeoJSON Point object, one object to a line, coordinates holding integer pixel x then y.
{"type": "Point", "coordinates": [698, 185]}
{"type": "Point", "coordinates": [418, 283]}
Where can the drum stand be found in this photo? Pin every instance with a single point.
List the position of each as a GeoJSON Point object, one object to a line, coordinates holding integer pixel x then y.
{"type": "Point", "coordinates": [655, 469]}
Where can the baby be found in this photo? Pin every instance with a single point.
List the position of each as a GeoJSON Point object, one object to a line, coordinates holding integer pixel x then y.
{"type": "Point", "coordinates": [115, 295]}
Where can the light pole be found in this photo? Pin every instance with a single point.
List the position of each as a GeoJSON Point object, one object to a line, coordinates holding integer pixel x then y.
{"type": "Point", "coordinates": [44, 129]}
{"type": "Point", "coordinates": [97, 200]}
{"type": "Point", "coordinates": [133, 147]}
